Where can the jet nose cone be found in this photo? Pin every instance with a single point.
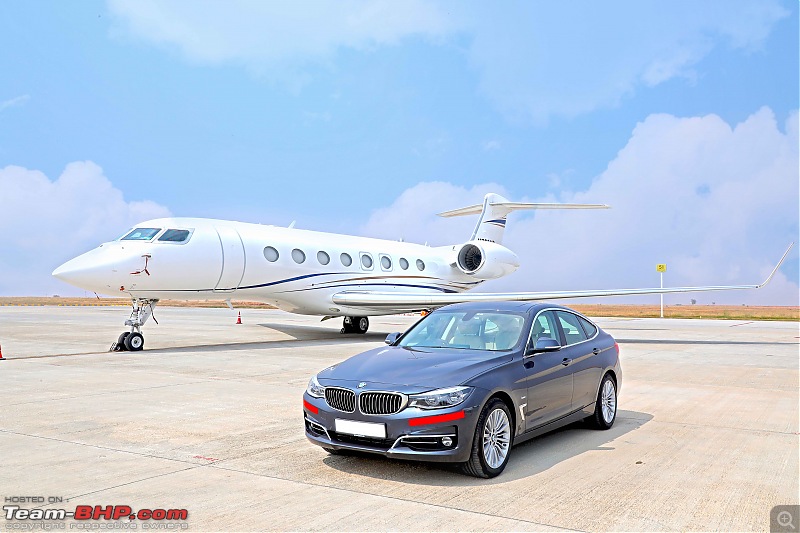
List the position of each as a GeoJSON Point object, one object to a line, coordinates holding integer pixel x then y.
{"type": "Point", "coordinates": [75, 272]}
{"type": "Point", "coordinates": [93, 271]}
{"type": "Point", "coordinates": [63, 272]}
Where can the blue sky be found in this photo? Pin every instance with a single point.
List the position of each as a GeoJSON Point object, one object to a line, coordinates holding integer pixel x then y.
{"type": "Point", "coordinates": [325, 113]}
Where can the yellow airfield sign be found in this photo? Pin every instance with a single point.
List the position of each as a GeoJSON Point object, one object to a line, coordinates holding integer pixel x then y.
{"type": "Point", "coordinates": [661, 267]}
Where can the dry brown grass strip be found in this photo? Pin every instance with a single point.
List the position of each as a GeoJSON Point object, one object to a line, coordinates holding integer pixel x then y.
{"type": "Point", "coordinates": [95, 302]}
{"type": "Point", "coordinates": [724, 312]}
{"type": "Point", "coordinates": [729, 312]}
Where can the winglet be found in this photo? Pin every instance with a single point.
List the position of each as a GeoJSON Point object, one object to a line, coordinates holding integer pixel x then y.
{"type": "Point", "coordinates": [777, 266]}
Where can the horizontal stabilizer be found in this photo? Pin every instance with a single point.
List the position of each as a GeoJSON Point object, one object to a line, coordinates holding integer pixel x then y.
{"type": "Point", "coordinates": [517, 206]}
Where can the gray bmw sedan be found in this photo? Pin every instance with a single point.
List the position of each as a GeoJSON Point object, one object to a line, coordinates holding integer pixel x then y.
{"type": "Point", "coordinates": [466, 383]}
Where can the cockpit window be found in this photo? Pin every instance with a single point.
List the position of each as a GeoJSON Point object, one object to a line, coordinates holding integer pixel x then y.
{"type": "Point", "coordinates": [175, 235]}
{"type": "Point", "coordinates": [141, 234]}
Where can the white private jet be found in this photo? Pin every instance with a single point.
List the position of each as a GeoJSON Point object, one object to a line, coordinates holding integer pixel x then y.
{"type": "Point", "coordinates": [310, 272]}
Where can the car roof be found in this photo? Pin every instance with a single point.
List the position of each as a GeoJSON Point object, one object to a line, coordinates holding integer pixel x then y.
{"type": "Point", "coordinates": [523, 307]}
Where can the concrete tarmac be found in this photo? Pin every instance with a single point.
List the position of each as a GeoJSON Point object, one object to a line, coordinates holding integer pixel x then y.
{"type": "Point", "coordinates": [208, 418]}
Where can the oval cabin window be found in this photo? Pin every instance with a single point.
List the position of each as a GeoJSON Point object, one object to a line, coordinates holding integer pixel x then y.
{"type": "Point", "coordinates": [271, 254]}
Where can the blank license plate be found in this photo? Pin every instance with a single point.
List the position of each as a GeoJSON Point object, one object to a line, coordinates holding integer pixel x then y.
{"type": "Point", "coordinates": [361, 429]}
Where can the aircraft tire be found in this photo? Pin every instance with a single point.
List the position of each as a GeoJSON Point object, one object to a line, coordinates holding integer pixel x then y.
{"type": "Point", "coordinates": [361, 324]}
{"type": "Point", "coordinates": [134, 342]}
{"type": "Point", "coordinates": [120, 344]}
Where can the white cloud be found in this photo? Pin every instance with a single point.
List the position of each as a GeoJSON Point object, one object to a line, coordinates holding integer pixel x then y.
{"type": "Point", "coordinates": [568, 58]}
{"type": "Point", "coordinates": [13, 102]}
{"type": "Point", "coordinates": [412, 216]}
{"type": "Point", "coordinates": [717, 203]}
{"type": "Point", "coordinates": [46, 222]}
{"type": "Point", "coordinates": [260, 34]}
{"type": "Point", "coordinates": [538, 59]}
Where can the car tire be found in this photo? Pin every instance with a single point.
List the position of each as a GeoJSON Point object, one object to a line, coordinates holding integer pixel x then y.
{"type": "Point", "coordinates": [493, 431]}
{"type": "Point", "coordinates": [605, 408]}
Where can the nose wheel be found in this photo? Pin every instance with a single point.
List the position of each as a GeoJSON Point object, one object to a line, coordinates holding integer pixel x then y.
{"type": "Point", "coordinates": [355, 324]}
{"type": "Point", "coordinates": [129, 342]}
{"type": "Point", "coordinates": [133, 340]}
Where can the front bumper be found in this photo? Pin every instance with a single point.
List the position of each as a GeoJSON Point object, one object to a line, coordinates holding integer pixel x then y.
{"type": "Point", "coordinates": [424, 441]}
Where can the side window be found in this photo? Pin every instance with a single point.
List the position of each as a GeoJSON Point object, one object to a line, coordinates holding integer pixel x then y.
{"type": "Point", "coordinates": [386, 262]}
{"type": "Point", "coordinates": [366, 261]}
{"type": "Point", "coordinates": [271, 254]}
{"type": "Point", "coordinates": [573, 331]}
{"type": "Point", "coordinates": [346, 259]}
{"type": "Point", "coordinates": [588, 327]}
{"type": "Point", "coordinates": [323, 257]}
{"type": "Point", "coordinates": [175, 235]}
{"type": "Point", "coordinates": [403, 263]}
{"type": "Point", "coordinates": [544, 326]}
{"type": "Point", "coordinates": [298, 255]}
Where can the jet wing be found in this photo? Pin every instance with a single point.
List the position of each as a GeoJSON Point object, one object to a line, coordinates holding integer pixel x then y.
{"type": "Point", "coordinates": [405, 301]}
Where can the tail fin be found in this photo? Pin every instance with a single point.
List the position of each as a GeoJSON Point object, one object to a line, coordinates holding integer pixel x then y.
{"type": "Point", "coordinates": [494, 210]}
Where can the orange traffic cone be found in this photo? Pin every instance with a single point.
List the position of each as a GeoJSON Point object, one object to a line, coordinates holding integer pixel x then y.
{"type": "Point", "coordinates": [1, 354]}
{"type": "Point", "coordinates": [239, 318]}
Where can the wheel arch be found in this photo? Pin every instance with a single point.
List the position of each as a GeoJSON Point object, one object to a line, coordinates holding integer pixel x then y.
{"type": "Point", "coordinates": [506, 399]}
{"type": "Point", "coordinates": [610, 371]}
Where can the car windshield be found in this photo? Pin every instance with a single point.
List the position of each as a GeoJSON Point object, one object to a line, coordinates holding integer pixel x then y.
{"type": "Point", "coordinates": [466, 330]}
{"type": "Point", "coordinates": [141, 234]}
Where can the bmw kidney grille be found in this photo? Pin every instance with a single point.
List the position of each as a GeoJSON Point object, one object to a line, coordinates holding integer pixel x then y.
{"type": "Point", "coordinates": [380, 403]}
{"type": "Point", "coordinates": [341, 399]}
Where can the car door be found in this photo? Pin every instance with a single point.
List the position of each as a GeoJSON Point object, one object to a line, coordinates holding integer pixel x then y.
{"type": "Point", "coordinates": [549, 380]}
{"type": "Point", "coordinates": [583, 359]}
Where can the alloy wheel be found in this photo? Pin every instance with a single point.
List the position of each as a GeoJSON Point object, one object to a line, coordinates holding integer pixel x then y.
{"type": "Point", "coordinates": [496, 438]}
{"type": "Point", "coordinates": [608, 401]}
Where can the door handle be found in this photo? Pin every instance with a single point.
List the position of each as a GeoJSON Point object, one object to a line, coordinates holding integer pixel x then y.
{"type": "Point", "coordinates": [595, 351]}
{"type": "Point", "coordinates": [566, 361]}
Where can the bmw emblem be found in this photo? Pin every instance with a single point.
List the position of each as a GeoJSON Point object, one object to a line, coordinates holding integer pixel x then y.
{"type": "Point", "coordinates": [362, 385]}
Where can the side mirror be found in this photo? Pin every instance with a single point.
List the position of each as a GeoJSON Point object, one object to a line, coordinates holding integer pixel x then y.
{"type": "Point", "coordinates": [391, 338]}
{"type": "Point", "coordinates": [545, 344]}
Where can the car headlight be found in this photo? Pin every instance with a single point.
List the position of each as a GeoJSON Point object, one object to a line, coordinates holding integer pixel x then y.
{"type": "Point", "coordinates": [439, 398]}
{"type": "Point", "coordinates": [314, 388]}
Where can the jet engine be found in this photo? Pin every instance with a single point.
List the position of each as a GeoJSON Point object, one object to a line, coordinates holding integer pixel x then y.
{"type": "Point", "coordinates": [485, 260]}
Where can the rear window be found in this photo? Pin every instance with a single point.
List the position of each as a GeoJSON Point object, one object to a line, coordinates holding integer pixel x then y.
{"type": "Point", "coordinates": [141, 234]}
{"type": "Point", "coordinates": [572, 329]}
{"type": "Point", "coordinates": [588, 327]}
{"type": "Point", "coordinates": [175, 235]}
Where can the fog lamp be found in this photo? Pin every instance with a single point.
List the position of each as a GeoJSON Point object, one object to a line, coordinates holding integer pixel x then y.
{"type": "Point", "coordinates": [447, 441]}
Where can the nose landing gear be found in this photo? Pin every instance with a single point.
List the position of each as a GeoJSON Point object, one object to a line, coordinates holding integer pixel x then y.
{"type": "Point", "coordinates": [133, 340]}
{"type": "Point", "coordinates": [355, 324]}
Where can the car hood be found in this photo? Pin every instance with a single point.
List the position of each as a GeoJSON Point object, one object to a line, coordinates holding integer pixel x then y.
{"type": "Point", "coordinates": [412, 368]}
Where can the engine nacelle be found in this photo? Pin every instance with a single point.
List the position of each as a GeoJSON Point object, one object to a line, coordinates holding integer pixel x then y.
{"type": "Point", "coordinates": [485, 260]}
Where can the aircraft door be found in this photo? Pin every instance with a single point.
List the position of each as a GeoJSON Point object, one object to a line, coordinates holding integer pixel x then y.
{"type": "Point", "coordinates": [233, 260]}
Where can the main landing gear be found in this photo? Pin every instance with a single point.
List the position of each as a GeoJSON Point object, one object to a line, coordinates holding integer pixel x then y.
{"type": "Point", "coordinates": [355, 324]}
{"type": "Point", "coordinates": [133, 340]}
